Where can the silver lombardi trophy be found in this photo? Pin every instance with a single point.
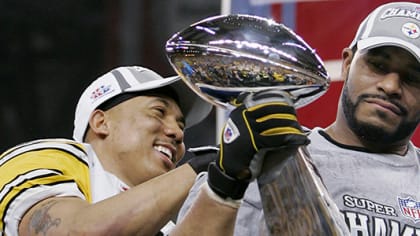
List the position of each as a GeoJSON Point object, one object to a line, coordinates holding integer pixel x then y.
{"type": "Point", "coordinates": [222, 56]}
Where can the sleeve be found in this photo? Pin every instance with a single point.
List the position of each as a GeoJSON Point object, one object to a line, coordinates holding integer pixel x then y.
{"type": "Point", "coordinates": [250, 219]}
{"type": "Point", "coordinates": [36, 171]}
{"type": "Point", "coordinates": [192, 195]}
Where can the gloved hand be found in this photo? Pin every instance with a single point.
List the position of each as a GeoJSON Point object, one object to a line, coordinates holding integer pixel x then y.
{"type": "Point", "coordinates": [263, 121]}
{"type": "Point", "coordinates": [200, 157]}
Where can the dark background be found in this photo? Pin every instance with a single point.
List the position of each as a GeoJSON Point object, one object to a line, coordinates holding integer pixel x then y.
{"type": "Point", "coordinates": [51, 50]}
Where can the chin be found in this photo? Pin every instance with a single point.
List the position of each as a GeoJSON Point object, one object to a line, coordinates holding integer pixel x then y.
{"type": "Point", "coordinates": [381, 133]}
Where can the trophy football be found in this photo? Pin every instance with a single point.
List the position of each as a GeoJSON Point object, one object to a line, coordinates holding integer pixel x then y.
{"type": "Point", "coordinates": [223, 56]}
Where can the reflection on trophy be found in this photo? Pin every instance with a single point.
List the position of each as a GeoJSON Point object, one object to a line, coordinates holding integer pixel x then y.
{"type": "Point", "coordinates": [222, 56]}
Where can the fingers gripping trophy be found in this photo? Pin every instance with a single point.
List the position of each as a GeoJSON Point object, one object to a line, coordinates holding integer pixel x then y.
{"type": "Point", "coordinates": [260, 66]}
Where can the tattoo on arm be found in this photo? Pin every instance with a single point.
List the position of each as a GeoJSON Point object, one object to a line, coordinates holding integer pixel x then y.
{"type": "Point", "coordinates": [41, 220]}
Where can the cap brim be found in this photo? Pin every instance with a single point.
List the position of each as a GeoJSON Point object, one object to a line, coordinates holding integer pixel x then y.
{"type": "Point", "coordinates": [193, 106]}
{"type": "Point", "coordinates": [160, 83]}
{"type": "Point", "coordinates": [374, 42]}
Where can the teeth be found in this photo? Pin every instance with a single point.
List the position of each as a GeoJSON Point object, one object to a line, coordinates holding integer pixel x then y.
{"type": "Point", "coordinates": [164, 150]}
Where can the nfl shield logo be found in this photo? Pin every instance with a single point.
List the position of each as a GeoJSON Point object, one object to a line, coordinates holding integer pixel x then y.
{"type": "Point", "coordinates": [230, 132]}
{"type": "Point", "coordinates": [410, 208]}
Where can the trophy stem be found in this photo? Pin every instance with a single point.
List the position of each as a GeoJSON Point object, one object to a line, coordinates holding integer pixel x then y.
{"type": "Point", "coordinates": [294, 199]}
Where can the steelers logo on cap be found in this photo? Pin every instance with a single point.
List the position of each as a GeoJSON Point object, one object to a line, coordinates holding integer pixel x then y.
{"type": "Point", "coordinates": [411, 30]}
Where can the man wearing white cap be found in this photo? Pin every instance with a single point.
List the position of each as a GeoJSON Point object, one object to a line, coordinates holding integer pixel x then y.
{"type": "Point", "coordinates": [118, 175]}
{"type": "Point", "coordinates": [365, 158]}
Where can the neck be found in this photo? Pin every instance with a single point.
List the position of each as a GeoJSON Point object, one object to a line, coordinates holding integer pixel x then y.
{"type": "Point", "coordinates": [344, 135]}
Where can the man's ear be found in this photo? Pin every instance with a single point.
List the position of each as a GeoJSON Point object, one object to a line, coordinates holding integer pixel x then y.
{"type": "Point", "coordinates": [346, 56]}
{"type": "Point", "coordinates": [98, 123]}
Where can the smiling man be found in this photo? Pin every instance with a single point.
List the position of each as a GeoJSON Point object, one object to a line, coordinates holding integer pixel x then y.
{"type": "Point", "coordinates": [118, 175]}
{"type": "Point", "coordinates": [115, 178]}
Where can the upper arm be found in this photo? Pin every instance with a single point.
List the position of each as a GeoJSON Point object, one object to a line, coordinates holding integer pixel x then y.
{"type": "Point", "coordinates": [33, 172]}
{"type": "Point", "coordinates": [52, 216]}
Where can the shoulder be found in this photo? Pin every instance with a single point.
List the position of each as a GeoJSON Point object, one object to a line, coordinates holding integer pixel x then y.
{"type": "Point", "coordinates": [416, 149]}
{"type": "Point", "coordinates": [46, 149]}
{"type": "Point", "coordinates": [37, 170]}
{"type": "Point", "coordinates": [44, 158]}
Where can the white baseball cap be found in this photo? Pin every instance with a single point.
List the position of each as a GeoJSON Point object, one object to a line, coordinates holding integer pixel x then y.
{"type": "Point", "coordinates": [124, 80]}
{"type": "Point", "coordinates": [392, 24]}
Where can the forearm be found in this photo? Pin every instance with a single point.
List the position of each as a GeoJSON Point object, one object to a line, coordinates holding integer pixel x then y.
{"type": "Point", "coordinates": [208, 216]}
{"type": "Point", "coordinates": [142, 210]}
{"type": "Point", "coordinates": [149, 206]}
{"type": "Point", "coordinates": [158, 200]}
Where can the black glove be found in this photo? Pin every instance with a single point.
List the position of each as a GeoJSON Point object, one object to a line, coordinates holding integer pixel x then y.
{"type": "Point", "coordinates": [263, 121]}
{"type": "Point", "coordinates": [200, 157]}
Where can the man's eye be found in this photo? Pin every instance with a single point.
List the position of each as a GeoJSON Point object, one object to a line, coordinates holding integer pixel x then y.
{"type": "Point", "coordinates": [412, 78]}
{"type": "Point", "coordinates": [160, 111]}
{"type": "Point", "coordinates": [378, 66]}
{"type": "Point", "coordinates": [181, 125]}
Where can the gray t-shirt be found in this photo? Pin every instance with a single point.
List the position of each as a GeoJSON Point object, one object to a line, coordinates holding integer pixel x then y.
{"type": "Point", "coordinates": [377, 194]}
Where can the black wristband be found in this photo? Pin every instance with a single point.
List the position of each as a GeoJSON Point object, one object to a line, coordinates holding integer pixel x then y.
{"type": "Point", "coordinates": [224, 185]}
{"type": "Point", "coordinates": [201, 158]}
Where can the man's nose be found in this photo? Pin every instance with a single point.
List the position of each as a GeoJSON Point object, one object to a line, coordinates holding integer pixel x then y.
{"type": "Point", "coordinates": [173, 130]}
{"type": "Point", "coordinates": [391, 84]}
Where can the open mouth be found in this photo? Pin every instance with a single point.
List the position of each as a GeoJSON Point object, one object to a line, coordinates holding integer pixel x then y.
{"type": "Point", "coordinates": [165, 151]}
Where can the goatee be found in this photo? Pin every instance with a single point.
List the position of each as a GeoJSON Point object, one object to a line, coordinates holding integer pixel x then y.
{"type": "Point", "coordinates": [369, 132]}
